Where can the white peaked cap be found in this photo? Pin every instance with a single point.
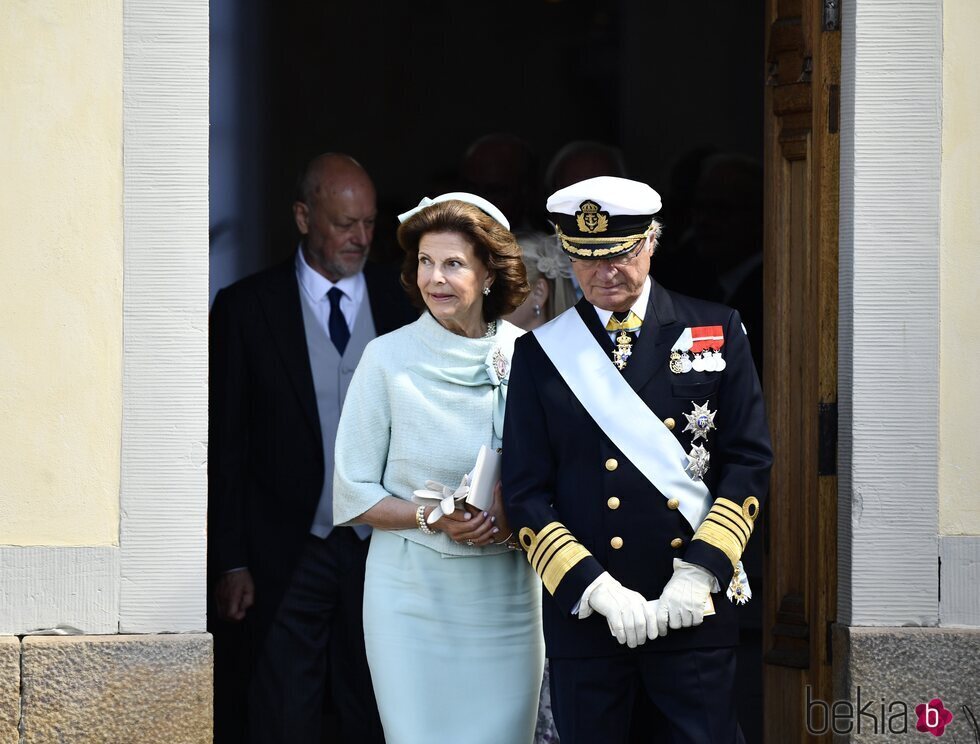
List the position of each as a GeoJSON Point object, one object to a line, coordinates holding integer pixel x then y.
{"type": "Point", "coordinates": [617, 196]}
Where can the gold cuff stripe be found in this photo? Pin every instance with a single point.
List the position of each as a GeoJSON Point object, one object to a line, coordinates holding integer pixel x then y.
{"type": "Point", "coordinates": [530, 541]}
{"type": "Point", "coordinates": [565, 542]}
{"type": "Point", "coordinates": [720, 538]}
{"type": "Point", "coordinates": [563, 562]}
{"type": "Point", "coordinates": [545, 554]}
{"type": "Point", "coordinates": [736, 540]}
{"type": "Point", "coordinates": [537, 545]}
{"type": "Point", "coordinates": [735, 512]}
{"type": "Point", "coordinates": [737, 529]}
{"type": "Point", "coordinates": [730, 508]}
{"type": "Point", "coordinates": [544, 543]}
{"type": "Point", "coordinates": [713, 518]}
{"type": "Point", "coordinates": [729, 526]}
{"type": "Point", "coordinates": [552, 553]}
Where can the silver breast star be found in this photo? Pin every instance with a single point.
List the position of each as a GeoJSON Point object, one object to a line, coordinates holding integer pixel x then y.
{"type": "Point", "coordinates": [700, 422]}
{"type": "Point", "coordinates": [698, 461]}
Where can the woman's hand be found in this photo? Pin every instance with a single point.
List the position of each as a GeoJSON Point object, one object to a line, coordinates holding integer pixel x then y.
{"type": "Point", "coordinates": [496, 511]}
{"type": "Point", "coordinates": [469, 526]}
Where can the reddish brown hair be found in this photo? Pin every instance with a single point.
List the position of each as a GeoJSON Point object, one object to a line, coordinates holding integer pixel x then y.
{"type": "Point", "coordinates": [494, 246]}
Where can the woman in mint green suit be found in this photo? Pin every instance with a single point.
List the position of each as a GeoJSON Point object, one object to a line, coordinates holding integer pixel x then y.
{"type": "Point", "coordinates": [452, 619]}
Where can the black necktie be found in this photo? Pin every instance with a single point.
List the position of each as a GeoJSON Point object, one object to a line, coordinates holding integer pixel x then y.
{"type": "Point", "coordinates": [339, 332]}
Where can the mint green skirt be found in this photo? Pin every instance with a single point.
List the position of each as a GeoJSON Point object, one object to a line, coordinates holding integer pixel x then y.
{"type": "Point", "coordinates": [454, 644]}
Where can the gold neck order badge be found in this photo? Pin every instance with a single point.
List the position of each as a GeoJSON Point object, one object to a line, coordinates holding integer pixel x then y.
{"type": "Point", "coordinates": [623, 350]}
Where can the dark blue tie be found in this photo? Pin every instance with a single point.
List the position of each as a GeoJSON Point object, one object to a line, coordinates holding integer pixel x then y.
{"type": "Point", "coordinates": [339, 332]}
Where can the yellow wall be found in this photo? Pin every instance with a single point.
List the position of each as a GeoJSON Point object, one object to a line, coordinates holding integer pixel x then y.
{"type": "Point", "coordinates": [61, 237]}
{"type": "Point", "coordinates": [959, 437]}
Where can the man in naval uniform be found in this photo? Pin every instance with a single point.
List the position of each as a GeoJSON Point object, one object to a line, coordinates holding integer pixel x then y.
{"type": "Point", "coordinates": [636, 457]}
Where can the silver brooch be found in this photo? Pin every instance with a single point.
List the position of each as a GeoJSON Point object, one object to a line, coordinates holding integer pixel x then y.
{"type": "Point", "coordinates": [701, 421]}
{"type": "Point", "coordinates": [698, 461]}
{"type": "Point", "coordinates": [500, 364]}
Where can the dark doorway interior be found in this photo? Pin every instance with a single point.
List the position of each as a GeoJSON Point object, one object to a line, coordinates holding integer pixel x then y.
{"type": "Point", "coordinates": [407, 87]}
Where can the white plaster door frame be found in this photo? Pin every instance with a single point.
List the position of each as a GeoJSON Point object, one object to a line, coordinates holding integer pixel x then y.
{"type": "Point", "coordinates": [891, 128]}
{"type": "Point", "coordinates": [163, 499]}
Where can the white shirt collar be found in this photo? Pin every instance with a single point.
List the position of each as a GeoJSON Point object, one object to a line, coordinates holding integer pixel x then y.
{"type": "Point", "coordinates": [639, 307]}
{"type": "Point", "coordinates": [316, 285]}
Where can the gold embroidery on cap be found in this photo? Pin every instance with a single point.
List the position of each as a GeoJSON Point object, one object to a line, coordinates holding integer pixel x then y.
{"type": "Point", "coordinates": [622, 243]}
{"type": "Point", "coordinates": [591, 218]}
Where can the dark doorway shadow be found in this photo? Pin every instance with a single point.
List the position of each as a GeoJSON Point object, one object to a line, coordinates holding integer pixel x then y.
{"type": "Point", "coordinates": [407, 88]}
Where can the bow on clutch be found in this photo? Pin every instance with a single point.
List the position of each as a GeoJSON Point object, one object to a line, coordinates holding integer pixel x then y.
{"type": "Point", "coordinates": [444, 496]}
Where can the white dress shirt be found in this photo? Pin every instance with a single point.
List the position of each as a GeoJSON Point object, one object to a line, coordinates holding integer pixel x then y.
{"type": "Point", "coordinates": [639, 308]}
{"type": "Point", "coordinates": [315, 286]}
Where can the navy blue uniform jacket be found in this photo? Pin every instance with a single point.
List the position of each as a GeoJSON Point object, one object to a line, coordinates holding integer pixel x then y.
{"type": "Point", "coordinates": [556, 469]}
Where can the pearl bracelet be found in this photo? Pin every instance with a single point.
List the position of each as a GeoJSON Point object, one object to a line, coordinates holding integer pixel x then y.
{"type": "Point", "coordinates": [420, 521]}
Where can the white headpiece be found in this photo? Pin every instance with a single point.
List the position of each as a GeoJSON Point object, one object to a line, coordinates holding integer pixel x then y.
{"type": "Point", "coordinates": [477, 201]}
{"type": "Point", "coordinates": [544, 253]}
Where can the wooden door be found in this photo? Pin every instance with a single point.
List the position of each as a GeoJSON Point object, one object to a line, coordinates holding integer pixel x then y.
{"type": "Point", "coordinates": [801, 257]}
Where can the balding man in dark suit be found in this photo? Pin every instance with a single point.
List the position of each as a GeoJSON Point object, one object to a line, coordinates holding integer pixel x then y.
{"type": "Point", "coordinates": [284, 345]}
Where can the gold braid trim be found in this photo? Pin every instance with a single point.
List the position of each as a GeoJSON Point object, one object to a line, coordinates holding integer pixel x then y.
{"type": "Point", "coordinates": [619, 244]}
{"type": "Point", "coordinates": [728, 526]}
{"type": "Point", "coordinates": [721, 538]}
{"type": "Point", "coordinates": [552, 552]}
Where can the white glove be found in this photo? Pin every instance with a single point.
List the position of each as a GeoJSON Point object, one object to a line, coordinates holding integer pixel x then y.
{"type": "Point", "coordinates": [625, 611]}
{"type": "Point", "coordinates": [684, 598]}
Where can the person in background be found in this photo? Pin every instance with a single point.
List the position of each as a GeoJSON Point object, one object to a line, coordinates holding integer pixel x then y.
{"type": "Point", "coordinates": [549, 275]}
{"type": "Point", "coordinates": [284, 345]}
{"type": "Point", "coordinates": [503, 169]}
{"type": "Point", "coordinates": [452, 619]}
{"type": "Point", "coordinates": [582, 159]}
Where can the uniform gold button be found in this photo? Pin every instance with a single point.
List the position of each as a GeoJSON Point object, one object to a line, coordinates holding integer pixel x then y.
{"type": "Point", "coordinates": [676, 542]}
{"type": "Point", "coordinates": [613, 502]}
{"type": "Point", "coordinates": [616, 543]}
{"type": "Point", "coordinates": [670, 423]}
{"type": "Point", "coordinates": [673, 503]}
{"type": "Point", "coordinates": [611, 464]}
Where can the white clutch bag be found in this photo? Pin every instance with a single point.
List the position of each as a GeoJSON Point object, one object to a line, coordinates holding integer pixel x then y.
{"type": "Point", "coordinates": [476, 488]}
{"type": "Point", "coordinates": [483, 478]}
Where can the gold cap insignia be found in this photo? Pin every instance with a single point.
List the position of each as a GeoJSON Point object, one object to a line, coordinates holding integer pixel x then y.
{"type": "Point", "coordinates": [591, 218]}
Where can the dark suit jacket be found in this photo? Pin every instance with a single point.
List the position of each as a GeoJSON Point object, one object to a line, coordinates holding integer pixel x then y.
{"type": "Point", "coordinates": [554, 470]}
{"type": "Point", "coordinates": [265, 455]}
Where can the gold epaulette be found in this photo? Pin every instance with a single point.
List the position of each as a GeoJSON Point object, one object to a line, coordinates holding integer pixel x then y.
{"type": "Point", "coordinates": [728, 526]}
{"type": "Point", "coordinates": [552, 552]}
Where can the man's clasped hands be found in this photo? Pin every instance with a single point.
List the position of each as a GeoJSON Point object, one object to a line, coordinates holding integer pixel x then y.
{"type": "Point", "coordinates": [633, 619]}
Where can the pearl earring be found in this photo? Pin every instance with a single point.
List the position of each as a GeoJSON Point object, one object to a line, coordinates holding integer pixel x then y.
{"type": "Point", "coordinates": [486, 291]}
{"type": "Point", "coordinates": [537, 310]}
